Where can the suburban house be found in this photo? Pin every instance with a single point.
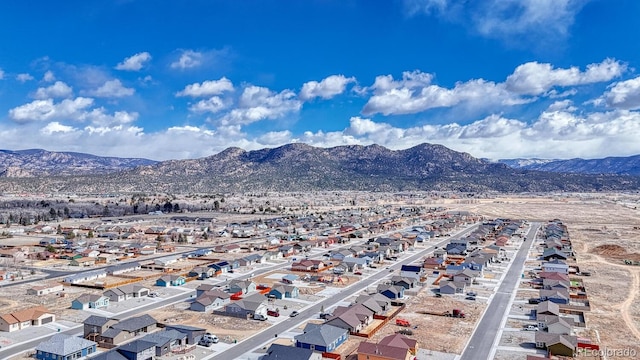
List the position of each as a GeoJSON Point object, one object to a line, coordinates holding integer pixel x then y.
{"type": "Point", "coordinates": [434, 263]}
{"type": "Point", "coordinates": [166, 340]}
{"type": "Point", "coordinates": [321, 337]}
{"type": "Point", "coordinates": [210, 300]}
{"type": "Point", "coordinates": [83, 261]}
{"type": "Point", "coordinates": [18, 320]}
{"type": "Point", "coordinates": [412, 271]}
{"type": "Point", "coordinates": [391, 291]}
{"type": "Point", "coordinates": [128, 329]}
{"type": "Point", "coordinates": [353, 318]}
{"type": "Point", "coordinates": [382, 301]}
{"type": "Point", "coordinates": [95, 325]}
{"type": "Point", "coordinates": [289, 278]}
{"type": "Point", "coordinates": [194, 334]}
{"type": "Point", "coordinates": [85, 276]}
{"type": "Point", "coordinates": [242, 286]}
{"type": "Point", "coordinates": [404, 281]}
{"type": "Point", "coordinates": [123, 268]}
{"type": "Point", "coordinates": [308, 265]}
{"type": "Point", "coordinates": [90, 301]}
{"type": "Point", "coordinates": [558, 296]}
{"type": "Point", "coordinates": [465, 276]}
{"type": "Point", "coordinates": [392, 347]}
{"type": "Point", "coordinates": [65, 347]}
{"type": "Point", "coordinates": [248, 306]}
{"type": "Point", "coordinates": [284, 291]}
{"type": "Point", "coordinates": [126, 292]}
{"type": "Point", "coordinates": [202, 272]}
{"type": "Point", "coordinates": [138, 350]}
{"type": "Point", "coordinates": [555, 265]}
{"type": "Point", "coordinates": [558, 325]}
{"type": "Point", "coordinates": [557, 344]}
{"type": "Point", "coordinates": [451, 287]}
{"type": "Point", "coordinates": [45, 289]}
{"type": "Point", "coordinates": [280, 352]}
{"type": "Point", "coordinates": [170, 280]}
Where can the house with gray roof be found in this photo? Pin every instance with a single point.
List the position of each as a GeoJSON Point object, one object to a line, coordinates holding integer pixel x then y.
{"type": "Point", "coordinates": [65, 347]}
{"type": "Point", "coordinates": [241, 286]}
{"type": "Point", "coordinates": [194, 334]}
{"type": "Point", "coordinates": [210, 300]}
{"type": "Point", "coordinates": [166, 341]}
{"type": "Point", "coordinates": [109, 355]}
{"type": "Point", "coordinates": [138, 350]}
{"type": "Point", "coordinates": [126, 292]}
{"type": "Point", "coordinates": [123, 268]}
{"type": "Point", "coordinates": [128, 329]}
{"type": "Point", "coordinates": [248, 306]}
{"type": "Point", "coordinates": [284, 291]}
{"type": "Point", "coordinates": [282, 352]}
{"type": "Point", "coordinates": [94, 325]}
{"type": "Point", "coordinates": [321, 337]}
{"type": "Point", "coordinates": [90, 301]}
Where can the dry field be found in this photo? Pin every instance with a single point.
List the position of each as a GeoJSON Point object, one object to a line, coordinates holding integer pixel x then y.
{"type": "Point", "coordinates": [603, 234]}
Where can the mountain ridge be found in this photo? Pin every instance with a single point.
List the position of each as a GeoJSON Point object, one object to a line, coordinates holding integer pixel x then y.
{"type": "Point", "coordinates": [616, 165]}
{"type": "Point", "coordinates": [301, 167]}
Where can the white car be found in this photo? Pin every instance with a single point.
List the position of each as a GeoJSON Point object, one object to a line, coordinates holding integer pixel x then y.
{"type": "Point", "coordinates": [531, 328]}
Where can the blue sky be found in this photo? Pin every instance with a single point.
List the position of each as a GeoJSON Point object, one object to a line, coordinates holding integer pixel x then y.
{"type": "Point", "coordinates": [187, 79]}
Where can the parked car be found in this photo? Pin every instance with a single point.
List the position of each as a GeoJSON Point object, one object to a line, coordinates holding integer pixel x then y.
{"type": "Point", "coordinates": [153, 295]}
{"type": "Point", "coordinates": [210, 337]}
{"type": "Point", "coordinates": [405, 332]}
{"type": "Point", "coordinates": [294, 313]}
{"type": "Point", "coordinates": [357, 273]}
{"type": "Point", "coordinates": [259, 317]}
{"type": "Point", "coordinates": [204, 342]}
{"type": "Point", "coordinates": [471, 293]}
{"type": "Point", "coordinates": [325, 316]}
{"type": "Point", "coordinates": [531, 328]}
{"type": "Point", "coordinates": [273, 313]}
{"type": "Point", "coordinates": [472, 298]}
{"type": "Point", "coordinates": [534, 301]}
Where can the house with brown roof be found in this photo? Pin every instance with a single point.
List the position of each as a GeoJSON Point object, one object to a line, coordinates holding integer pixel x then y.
{"type": "Point", "coordinates": [392, 347]}
{"type": "Point", "coordinates": [18, 320]}
{"type": "Point", "coordinates": [557, 344]}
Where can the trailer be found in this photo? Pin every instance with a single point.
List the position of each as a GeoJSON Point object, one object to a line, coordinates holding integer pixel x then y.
{"type": "Point", "coordinates": [456, 313]}
{"type": "Point", "coordinates": [403, 322]}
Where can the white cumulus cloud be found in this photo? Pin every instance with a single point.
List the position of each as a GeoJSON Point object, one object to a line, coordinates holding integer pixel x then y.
{"type": "Point", "coordinates": [326, 89]}
{"type": "Point", "coordinates": [207, 88]}
{"type": "Point", "coordinates": [56, 127]}
{"type": "Point", "coordinates": [58, 90]}
{"type": "Point", "coordinates": [24, 77]}
{"type": "Point", "coordinates": [259, 103]}
{"type": "Point", "coordinates": [188, 59]}
{"type": "Point", "coordinates": [112, 89]}
{"type": "Point", "coordinates": [49, 76]}
{"type": "Point", "coordinates": [212, 105]}
{"type": "Point", "coordinates": [135, 62]}
{"type": "Point", "coordinates": [535, 78]}
{"type": "Point", "coordinates": [41, 110]}
{"type": "Point", "coordinates": [623, 95]}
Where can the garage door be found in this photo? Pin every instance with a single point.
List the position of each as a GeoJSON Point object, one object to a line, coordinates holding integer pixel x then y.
{"type": "Point", "coordinates": [47, 320]}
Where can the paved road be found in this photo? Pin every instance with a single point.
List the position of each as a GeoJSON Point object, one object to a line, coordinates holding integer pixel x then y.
{"type": "Point", "coordinates": [251, 343]}
{"type": "Point", "coordinates": [481, 342]}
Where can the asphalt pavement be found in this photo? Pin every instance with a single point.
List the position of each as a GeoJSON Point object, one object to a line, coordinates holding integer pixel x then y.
{"type": "Point", "coordinates": [481, 344]}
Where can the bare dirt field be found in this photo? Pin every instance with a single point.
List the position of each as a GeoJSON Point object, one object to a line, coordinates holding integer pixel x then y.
{"type": "Point", "coordinates": [603, 233]}
{"type": "Point", "coordinates": [226, 328]}
{"type": "Point", "coordinates": [438, 333]}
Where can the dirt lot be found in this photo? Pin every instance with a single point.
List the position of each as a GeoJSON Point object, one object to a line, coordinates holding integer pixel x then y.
{"type": "Point", "coordinates": [433, 332]}
{"type": "Point", "coordinates": [226, 328]}
{"type": "Point", "coordinates": [603, 234]}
